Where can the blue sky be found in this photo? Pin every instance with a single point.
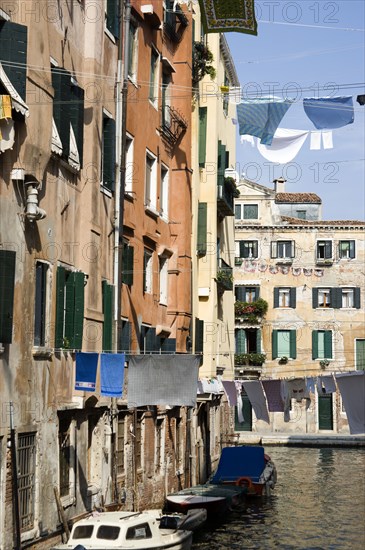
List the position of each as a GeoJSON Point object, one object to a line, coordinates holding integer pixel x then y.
{"type": "Point", "coordinates": [301, 48]}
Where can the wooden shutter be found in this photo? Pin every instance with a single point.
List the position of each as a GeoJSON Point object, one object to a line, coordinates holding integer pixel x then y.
{"type": "Point", "coordinates": [336, 297]}
{"type": "Point", "coordinates": [199, 335]}
{"type": "Point", "coordinates": [151, 343]}
{"type": "Point", "coordinates": [274, 344]}
{"type": "Point", "coordinates": [357, 298]}
{"type": "Point", "coordinates": [274, 249]}
{"type": "Point", "coordinates": [257, 293]}
{"type": "Point", "coordinates": [77, 117]}
{"type": "Point", "coordinates": [40, 303]}
{"type": "Point", "coordinates": [78, 283]}
{"type": "Point", "coordinates": [293, 344]}
{"type": "Point", "coordinates": [128, 263]}
{"type": "Point", "coordinates": [352, 249]}
{"type": "Point", "coordinates": [314, 344]}
{"type": "Point", "coordinates": [221, 163]}
{"type": "Point", "coordinates": [258, 340]}
{"type": "Point", "coordinates": [168, 345]}
{"type": "Point", "coordinates": [203, 113]}
{"type": "Point", "coordinates": [125, 337]}
{"type": "Point", "coordinates": [60, 306]}
{"type": "Point", "coordinates": [328, 344]}
{"type": "Point", "coordinates": [276, 297]}
{"type": "Point", "coordinates": [7, 280]}
{"type": "Point", "coordinates": [314, 298]}
{"type": "Point", "coordinates": [292, 249]}
{"type": "Point", "coordinates": [240, 340]}
{"type": "Point", "coordinates": [240, 292]}
{"type": "Point", "coordinates": [202, 229]}
{"type": "Point", "coordinates": [293, 297]}
{"type": "Point", "coordinates": [107, 291]}
{"type": "Point", "coordinates": [13, 48]}
{"type": "Point", "coordinates": [109, 153]}
{"type": "Point", "coordinates": [328, 249]}
{"type": "Point", "coordinates": [112, 17]}
{"type": "Point", "coordinates": [61, 82]}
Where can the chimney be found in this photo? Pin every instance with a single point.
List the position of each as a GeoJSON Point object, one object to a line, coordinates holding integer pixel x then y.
{"type": "Point", "coordinates": [279, 185]}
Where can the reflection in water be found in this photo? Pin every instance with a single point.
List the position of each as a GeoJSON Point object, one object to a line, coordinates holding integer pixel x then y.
{"type": "Point", "coordinates": [318, 504]}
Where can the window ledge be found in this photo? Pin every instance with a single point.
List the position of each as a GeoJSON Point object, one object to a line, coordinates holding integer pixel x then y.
{"type": "Point", "coordinates": [324, 262]}
{"type": "Point", "coordinates": [152, 211]}
{"type": "Point", "coordinates": [106, 191]}
{"type": "Point", "coordinates": [109, 35]}
{"type": "Point", "coordinates": [285, 261]}
{"type": "Point", "coordinates": [133, 80]}
{"type": "Point", "coordinates": [42, 352]}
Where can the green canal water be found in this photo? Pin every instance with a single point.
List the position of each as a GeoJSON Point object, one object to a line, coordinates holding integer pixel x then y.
{"type": "Point", "coordinates": [318, 504]}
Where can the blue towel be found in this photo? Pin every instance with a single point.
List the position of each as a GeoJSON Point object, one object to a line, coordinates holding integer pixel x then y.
{"type": "Point", "coordinates": [112, 374]}
{"type": "Point", "coordinates": [86, 366]}
{"type": "Point", "coordinates": [329, 112]}
{"type": "Point", "coordinates": [261, 117]}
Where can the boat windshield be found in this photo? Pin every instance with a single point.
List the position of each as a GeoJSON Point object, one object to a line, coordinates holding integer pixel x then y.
{"type": "Point", "coordinates": [83, 532]}
{"type": "Point", "coordinates": [138, 532]}
{"type": "Point", "coordinates": [108, 532]}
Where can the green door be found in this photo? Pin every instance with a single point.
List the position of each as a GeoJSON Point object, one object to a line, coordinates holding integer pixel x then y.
{"type": "Point", "coordinates": [360, 354]}
{"type": "Point", "coordinates": [246, 425]}
{"type": "Point", "coordinates": [325, 412]}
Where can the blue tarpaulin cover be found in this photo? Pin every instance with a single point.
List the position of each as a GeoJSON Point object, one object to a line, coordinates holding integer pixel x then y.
{"type": "Point", "coordinates": [236, 462]}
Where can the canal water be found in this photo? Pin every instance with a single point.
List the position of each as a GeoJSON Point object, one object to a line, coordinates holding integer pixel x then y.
{"type": "Point", "coordinates": [318, 504]}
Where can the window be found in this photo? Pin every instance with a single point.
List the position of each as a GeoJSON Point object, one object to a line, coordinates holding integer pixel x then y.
{"type": "Point", "coordinates": [166, 99]}
{"type": "Point", "coordinates": [107, 292]}
{"type": "Point", "coordinates": [164, 262]}
{"type": "Point", "coordinates": [7, 281]}
{"type": "Point", "coordinates": [151, 182]}
{"type": "Point", "coordinates": [283, 250]}
{"type": "Point", "coordinates": [13, 47]}
{"type": "Point", "coordinates": [148, 340]}
{"type": "Point", "coordinates": [201, 246]}
{"type": "Point", "coordinates": [108, 153]}
{"type": "Point", "coordinates": [153, 91]}
{"type": "Point", "coordinates": [41, 304]}
{"type": "Point", "coordinates": [348, 297]}
{"type": "Point", "coordinates": [129, 165]}
{"type": "Point", "coordinates": [133, 51]}
{"type": "Point", "coordinates": [346, 250]}
{"type": "Point", "coordinates": [250, 211]}
{"type": "Point", "coordinates": [112, 17]}
{"type": "Point", "coordinates": [69, 309]}
{"type": "Point", "coordinates": [142, 531]}
{"type": "Point", "coordinates": [324, 297]}
{"type": "Point", "coordinates": [125, 337]}
{"type": "Point", "coordinates": [147, 271]}
{"type": "Point", "coordinates": [26, 479]}
{"type": "Point", "coordinates": [175, 21]}
{"type": "Point", "coordinates": [199, 335]}
{"type": "Point", "coordinates": [336, 297]}
{"type": "Point", "coordinates": [128, 264]}
{"type": "Point", "coordinates": [284, 344]}
{"type": "Point", "coordinates": [108, 532]}
{"type": "Point", "coordinates": [203, 118]}
{"type": "Point", "coordinates": [248, 249]}
{"type": "Point", "coordinates": [321, 344]}
{"type": "Point", "coordinates": [121, 444]}
{"type": "Point", "coordinates": [302, 214]}
{"type": "Point", "coordinates": [164, 195]}
{"type": "Point", "coordinates": [66, 456]}
{"type": "Point", "coordinates": [159, 443]}
{"type": "Point", "coordinates": [324, 250]}
{"type": "Point", "coordinates": [248, 340]}
{"type": "Point", "coordinates": [285, 297]}
{"type": "Point", "coordinates": [226, 96]}
{"type": "Point", "coordinates": [247, 293]}
{"type": "Point", "coordinates": [68, 116]}
{"type": "Point", "coordinates": [360, 353]}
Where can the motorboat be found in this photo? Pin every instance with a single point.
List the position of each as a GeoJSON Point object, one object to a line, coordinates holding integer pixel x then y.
{"type": "Point", "coordinates": [126, 530]}
{"type": "Point", "coordinates": [246, 466]}
{"type": "Point", "coordinates": [192, 520]}
{"type": "Point", "coordinates": [215, 498]}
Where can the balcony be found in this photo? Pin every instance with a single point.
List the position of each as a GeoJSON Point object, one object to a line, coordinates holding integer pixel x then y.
{"type": "Point", "coordinates": [224, 276]}
{"type": "Point", "coordinates": [173, 124]}
{"type": "Point", "coordinates": [175, 23]}
{"type": "Point", "coordinates": [324, 261]}
{"type": "Point", "coordinates": [248, 365]}
{"type": "Point", "coordinates": [227, 192]}
{"type": "Point", "coordinates": [251, 312]}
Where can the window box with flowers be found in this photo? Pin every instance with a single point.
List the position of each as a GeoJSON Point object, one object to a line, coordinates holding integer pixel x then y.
{"type": "Point", "coordinates": [251, 312]}
{"type": "Point", "coordinates": [250, 359]}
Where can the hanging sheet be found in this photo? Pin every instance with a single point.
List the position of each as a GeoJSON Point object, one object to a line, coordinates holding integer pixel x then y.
{"type": "Point", "coordinates": [86, 367]}
{"type": "Point", "coordinates": [352, 389]}
{"type": "Point", "coordinates": [329, 112]}
{"type": "Point", "coordinates": [228, 16]}
{"type": "Point", "coordinates": [285, 145]}
{"type": "Point", "coordinates": [261, 117]}
{"type": "Point", "coordinates": [256, 395]}
{"type": "Point", "coordinates": [112, 374]}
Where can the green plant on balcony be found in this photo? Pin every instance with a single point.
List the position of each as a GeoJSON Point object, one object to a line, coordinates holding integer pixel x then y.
{"type": "Point", "coordinates": [250, 359]}
{"type": "Point", "coordinates": [225, 277]}
{"type": "Point", "coordinates": [252, 312]}
{"type": "Point", "coordinates": [283, 360]}
{"type": "Point", "coordinates": [229, 181]}
{"type": "Point", "coordinates": [202, 59]}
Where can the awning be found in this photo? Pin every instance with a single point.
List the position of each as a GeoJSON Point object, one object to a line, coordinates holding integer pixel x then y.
{"type": "Point", "coordinates": [17, 102]}
{"type": "Point", "coordinates": [7, 134]}
{"type": "Point", "coordinates": [56, 144]}
{"type": "Point", "coordinates": [73, 157]}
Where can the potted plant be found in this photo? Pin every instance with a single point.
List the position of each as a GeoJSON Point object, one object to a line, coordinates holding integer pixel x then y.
{"type": "Point", "coordinates": [283, 360]}
{"type": "Point", "coordinates": [324, 363]}
{"type": "Point", "coordinates": [202, 59]}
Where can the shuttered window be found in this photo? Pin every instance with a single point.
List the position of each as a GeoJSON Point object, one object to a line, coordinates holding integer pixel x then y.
{"type": "Point", "coordinates": [40, 304]}
{"type": "Point", "coordinates": [240, 337]}
{"type": "Point", "coordinates": [284, 344]}
{"type": "Point", "coordinates": [125, 337]}
{"type": "Point", "coordinates": [7, 276]}
{"type": "Point", "coordinates": [199, 335]}
{"type": "Point", "coordinates": [202, 229]}
{"type": "Point", "coordinates": [285, 297]}
{"type": "Point", "coordinates": [248, 249]}
{"type": "Point", "coordinates": [247, 293]}
{"type": "Point", "coordinates": [321, 344]}
{"type": "Point", "coordinates": [221, 163]}
{"type": "Point", "coordinates": [107, 291]}
{"type": "Point", "coordinates": [112, 17]}
{"type": "Point", "coordinates": [69, 309]}
{"type": "Point", "coordinates": [203, 116]}
{"type": "Point", "coordinates": [324, 250]}
{"type": "Point", "coordinates": [13, 48]}
{"type": "Point", "coordinates": [346, 249]}
{"type": "Point", "coordinates": [108, 158]}
{"type": "Point", "coordinates": [128, 261]}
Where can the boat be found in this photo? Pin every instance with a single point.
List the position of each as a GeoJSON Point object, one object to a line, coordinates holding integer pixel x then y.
{"type": "Point", "coordinates": [192, 520]}
{"type": "Point", "coordinates": [122, 530]}
{"type": "Point", "coordinates": [214, 498]}
{"type": "Point", "coordinates": [246, 466]}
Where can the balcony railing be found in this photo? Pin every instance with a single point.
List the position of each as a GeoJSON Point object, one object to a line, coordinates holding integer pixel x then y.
{"type": "Point", "coordinates": [175, 24]}
{"type": "Point", "coordinates": [173, 124]}
{"type": "Point", "coordinates": [224, 276]}
{"type": "Point", "coordinates": [227, 192]}
{"type": "Point", "coordinates": [249, 360]}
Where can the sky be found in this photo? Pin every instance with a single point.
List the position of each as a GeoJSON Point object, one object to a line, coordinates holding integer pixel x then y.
{"type": "Point", "coordinates": [308, 48]}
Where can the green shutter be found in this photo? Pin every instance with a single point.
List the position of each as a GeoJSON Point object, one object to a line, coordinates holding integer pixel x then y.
{"type": "Point", "coordinates": [240, 340]}
{"type": "Point", "coordinates": [314, 344]}
{"type": "Point", "coordinates": [221, 163]}
{"type": "Point", "coordinates": [336, 297]}
{"type": "Point", "coordinates": [258, 340]}
{"type": "Point", "coordinates": [328, 344]}
{"type": "Point", "coordinates": [202, 135]}
{"type": "Point", "coordinates": [293, 297]}
{"type": "Point", "coordinates": [328, 250]}
{"type": "Point", "coordinates": [293, 344]}
{"type": "Point", "coordinates": [352, 249]}
{"type": "Point", "coordinates": [109, 130]}
{"type": "Point", "coordinates": [128, 263]}
{"type": "Point", "coordinates": [314, 298]}
{"type": "Point", "coordinates": [257, 293]}
{"type": "Point", "coordinates": [77, 117]}
{"type": "Point", "coordinates": [60, 306]}
{"type": "Point", "coordinates": [360, 354]}
{"type": "Point", "coordinates": [168, 345]}
{"type": "Point", "coordinates": [357, 298]}
{"type": "Point", "coordinates": [13, 53]}
{"type": "Point", "coordinates": [112, 17]}
{"type": "Point", "coordinates": [7, 280]}
{"type": "Point", "coordinates": [202, 229]}
{"type": "Point", "coordinates": [107, 291]}
{"type": "Point", "coordinates": [151, 339]}
{"type": "Point", "coordinates": [274, 344]}
{"type": "Point", "coordinates": [276, 297]}
{"type": "Point", "coordinates": [199, 335]}
{"type": "Point", "coordinates": [61, 82]}
{"type": "Point", "coordinates": [125, 337]}
{"type": "Point", "coordinates": [79, 309]}
{"type": "Point", "coordinates": [240, 292]}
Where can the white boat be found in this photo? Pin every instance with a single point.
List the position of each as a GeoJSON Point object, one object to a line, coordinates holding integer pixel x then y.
{"type": "Point", "coordinates": [125, 530]}
{"type": "Point", "coordinates": [190, 521]}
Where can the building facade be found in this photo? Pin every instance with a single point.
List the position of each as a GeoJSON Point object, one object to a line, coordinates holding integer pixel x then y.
{"type": "Point", "coordinates": [299, 300]}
